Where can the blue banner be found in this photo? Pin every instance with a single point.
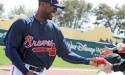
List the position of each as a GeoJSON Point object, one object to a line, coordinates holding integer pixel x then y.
{"type": "Point", "coordinates": [2, 36]}
{"type": "Point", "coordinates": [86, 48]}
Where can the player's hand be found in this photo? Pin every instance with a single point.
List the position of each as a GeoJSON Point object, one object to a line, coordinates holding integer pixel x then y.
{"type": "Point", "coordinates": [108, 67]}
{"type": "Point", "coordinates": [105, 51]}
{"type": "Point", "coordinates": [93, 62]}
{"type": "Point", "coordinates": [30, 73]}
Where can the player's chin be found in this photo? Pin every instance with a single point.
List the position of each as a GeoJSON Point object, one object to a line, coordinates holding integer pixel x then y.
{"type": "Point", "coordinates": [50, 18]}
{"type": "Point", "coordinates": [51, 15]}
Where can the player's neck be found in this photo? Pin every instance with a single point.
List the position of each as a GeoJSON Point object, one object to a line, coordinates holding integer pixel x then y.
{"type": "Point", "coordinates": [40, 19]}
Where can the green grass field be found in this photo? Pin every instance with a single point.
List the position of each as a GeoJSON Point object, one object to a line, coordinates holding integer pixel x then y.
{"type": "Point", "coordinates": [57, 63]}
{"type": "Point", "coordinates": [3, 59]}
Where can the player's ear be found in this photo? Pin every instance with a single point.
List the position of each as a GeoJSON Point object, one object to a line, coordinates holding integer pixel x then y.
{"type": "Point", "coordinates": [42, 5]}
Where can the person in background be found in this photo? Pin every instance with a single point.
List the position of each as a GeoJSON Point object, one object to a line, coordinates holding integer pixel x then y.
{"type": "Point", "coordinates": [112, 58]}
{"type": "Point", "coordinates": [110, 41]}
{"type": "Point", "coordinates": [101, 40]}
{"type": "Point", "coordinates": [123, 41]}
{"type": "Point", "coordinates": [107, 41]}
{"type": "Point", "coordinates": [120, 50]}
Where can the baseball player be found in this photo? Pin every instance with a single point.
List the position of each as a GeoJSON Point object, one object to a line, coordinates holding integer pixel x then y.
{"type": "Point", "coordinates": [32, 43]}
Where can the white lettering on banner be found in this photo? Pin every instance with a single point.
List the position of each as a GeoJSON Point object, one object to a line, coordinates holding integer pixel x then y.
{"type": "Point", "coordinates": [2, 35]}
{"type": "Point", "coordinates": [82, 47]}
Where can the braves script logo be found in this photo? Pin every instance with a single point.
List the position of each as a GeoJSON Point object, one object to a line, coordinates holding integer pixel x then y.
{"type": "Point", "coordinates": [29, 42]}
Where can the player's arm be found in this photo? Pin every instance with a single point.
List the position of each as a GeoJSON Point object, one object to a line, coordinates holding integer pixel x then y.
{"type": "Point", "coordinates": [75, 59]}
{"type": "Point", "coordinates": [68, 56]}
{"type": "Point", "coordinates": [13, 41]}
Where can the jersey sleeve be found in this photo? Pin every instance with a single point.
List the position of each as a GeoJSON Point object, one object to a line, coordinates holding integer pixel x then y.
{"type": "Point", "coordinates": [15, 33]}
{"type": "Point", "coordinates": [119, 66]}
{"type": "Point", "coordinates": [13, 41]}
{"type": "Point", "coordinates": [67, 55]}
{"type": "Point", "coordinates": [62, 49]}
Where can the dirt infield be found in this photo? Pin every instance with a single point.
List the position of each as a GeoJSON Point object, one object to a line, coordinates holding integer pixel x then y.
{"type": "Point", "coordinates": [4, 70]}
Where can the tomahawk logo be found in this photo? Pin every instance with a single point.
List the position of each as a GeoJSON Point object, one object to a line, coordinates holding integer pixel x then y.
{"type": "Point", "coordinates": [52, 50]}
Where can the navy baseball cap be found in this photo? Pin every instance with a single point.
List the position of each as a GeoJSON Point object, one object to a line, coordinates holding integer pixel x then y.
{"type": "Point", "coordinates": [54, 3]}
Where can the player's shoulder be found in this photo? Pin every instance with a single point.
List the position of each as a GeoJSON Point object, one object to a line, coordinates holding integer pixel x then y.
{"type": "Point", "coordinates": [22, 21]}
{"type": "Point", "coordinates": [19, 21]}
{"type": "Point", "coordinates": [55, 26]}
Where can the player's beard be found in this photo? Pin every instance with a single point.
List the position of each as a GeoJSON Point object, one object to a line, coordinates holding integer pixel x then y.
{"type": "Point", "coordinates": [47, 16]}
{"type": "Point", "coordinates": [50, 15]}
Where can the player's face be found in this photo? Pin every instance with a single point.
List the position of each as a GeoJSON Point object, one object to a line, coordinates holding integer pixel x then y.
{"type": "Point", "coordinates": [50, 11]}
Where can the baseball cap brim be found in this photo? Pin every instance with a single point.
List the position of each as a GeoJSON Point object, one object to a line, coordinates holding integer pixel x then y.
{"type": "Point", "coordinates": [58, 6]}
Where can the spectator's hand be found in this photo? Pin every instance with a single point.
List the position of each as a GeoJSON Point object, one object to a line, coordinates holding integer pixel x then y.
{"type": "Point", "coordinates": [108, 67]}
{"type": "Point", "coordinates": [105, 51]}
{"type": "Point", "coordinates": [30, 73]}
{"type": "Point", "coordinates": [123, 51]}
{"type": "Point", "coordinates": [121, 47]}
{"type": "Point", "coordinates": [93, 62]}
